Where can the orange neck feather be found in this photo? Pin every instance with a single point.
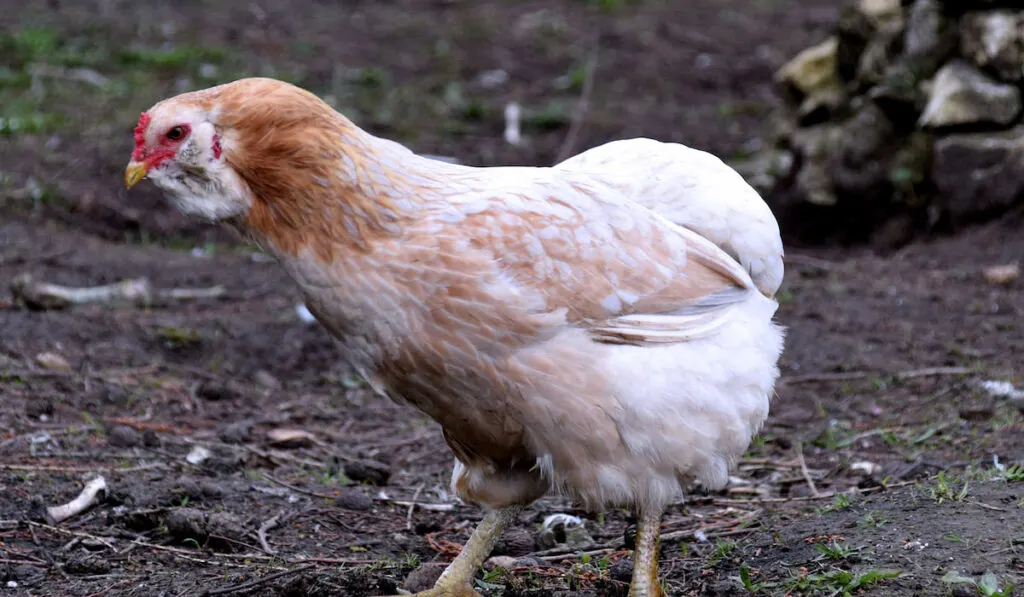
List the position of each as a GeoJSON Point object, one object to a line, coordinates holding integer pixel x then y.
{"type": "Point", "coordinates": [318, 182]}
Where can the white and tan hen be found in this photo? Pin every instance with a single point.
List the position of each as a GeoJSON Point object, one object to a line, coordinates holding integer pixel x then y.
{"type": "Point", "coordinates": [602, 328]}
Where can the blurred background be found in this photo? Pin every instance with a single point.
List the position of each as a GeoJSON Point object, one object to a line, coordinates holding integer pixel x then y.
{"type": "Point", "coordinates": [435, 75]}
{"type": "Point", "coordinates": [886, 136]}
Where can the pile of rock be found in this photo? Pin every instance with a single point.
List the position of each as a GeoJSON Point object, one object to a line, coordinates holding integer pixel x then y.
{"type": "Point", "coordinates": [910, 112]}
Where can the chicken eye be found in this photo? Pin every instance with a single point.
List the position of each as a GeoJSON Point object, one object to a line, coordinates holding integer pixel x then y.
{"type": "Point", "coordinates": [176, 133]}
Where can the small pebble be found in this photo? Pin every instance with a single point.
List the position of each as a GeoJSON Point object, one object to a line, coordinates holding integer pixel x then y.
{"type": "Point", "coordinates": [87, 563]}
{"type": "Point", "coordinates": [186, 486]}
{"type": "Point", "coordinates": [799, 491]}
{"type": "Point", "coordinates": [26, 572]}
{"type": "Point", "coordinates": [217, 390]}
{"type": "Point", "coordinates": [186, 523]}
{"type": "Point", "coordinates": [225, 524]}
{"type": "Point", "coordinates": [139, 520]}
{"type": "Point", "coordinates": [210, 489]}
{"type": "Point", "coordinates": [506, 562]}
{"type": "Point", "coordinates": [122, 436]}
{"type": "Point", "coordinates": [422, 527]}
{"type": "Point", "coordinates": [422, 578]}
{"type": "Point", "coordinates": [52, 361]}
{"type": "Point", "coordinates": [1002, 275]}
{"type": "Point", "coordinates": [37, 406]}
{"type": "Point", "coordinates": [530, 562]}
{"type": "Point", "coordinates": [367, 471]}
{"type": "Point", "coordinates": [113, 395]}
{"type": "Point", "coordinates": [621, 570]}
{"type": "Point", "coordinates": [977, 412]}
{"type": "Point", "coordinates": [197, 454]}
{"type": "Point", "coordinates": [150, 438]}
{"type": "Point", "coordinates": [236, 433]}
{"type": "Point", "coordinates": [515, 542]}
{"type": "Point", "coordinates": [265, 379]}
{"type": "Point", "coordinates": [353, 499]}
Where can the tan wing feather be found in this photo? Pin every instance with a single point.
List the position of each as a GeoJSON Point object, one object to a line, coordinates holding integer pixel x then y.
{"type": "Point", "coordinates": [620, 270]}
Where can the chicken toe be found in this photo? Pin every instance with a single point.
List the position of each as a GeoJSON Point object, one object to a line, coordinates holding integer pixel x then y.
{"type": "Point", "coordinates": [453, 590]}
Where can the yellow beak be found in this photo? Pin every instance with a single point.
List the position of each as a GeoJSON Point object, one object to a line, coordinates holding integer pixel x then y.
{"type": "Point", "coordinates": [135, 172]}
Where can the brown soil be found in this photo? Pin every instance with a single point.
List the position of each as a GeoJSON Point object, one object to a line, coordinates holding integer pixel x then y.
{"type": "Point", "coordinates": [880, 372]}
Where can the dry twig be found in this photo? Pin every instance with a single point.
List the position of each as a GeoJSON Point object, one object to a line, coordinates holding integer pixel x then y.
{"type": "Point", "coordinates": [33, 525]}
{"type": "Point", "coordinates": [37, 294]}
{"type": "Point", "coordinates": [78, 469]}
{"type": "Point", "coordinates": [803, 469]}
{"type": "Point", "coordinates": [246, 586]}
{"type": "Point", "coordinates": [298, 489]}
{"type": "Point", "coordinates": [267, 525]}
{"type": "Point", "coordinates": [88, 498]}
{"type": "Point", "coordinates": [412, 506]}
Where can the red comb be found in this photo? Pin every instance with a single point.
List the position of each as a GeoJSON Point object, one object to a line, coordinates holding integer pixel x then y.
{"type": "Point", "coordinates": [140, 137]}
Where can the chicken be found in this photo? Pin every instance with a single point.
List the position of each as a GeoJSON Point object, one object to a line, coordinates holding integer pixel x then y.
{"type": "Point", "coordinates": [602, 328]}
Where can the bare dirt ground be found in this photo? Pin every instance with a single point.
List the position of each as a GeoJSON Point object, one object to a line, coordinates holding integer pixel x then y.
{"type": "Point", "coordinates": [242, 459]}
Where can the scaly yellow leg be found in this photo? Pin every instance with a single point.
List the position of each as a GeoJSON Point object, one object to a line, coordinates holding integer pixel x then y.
{"type": "Point", "coordinates": [457, 578]}
{"type": "Point", "coordinates": [645, 557]}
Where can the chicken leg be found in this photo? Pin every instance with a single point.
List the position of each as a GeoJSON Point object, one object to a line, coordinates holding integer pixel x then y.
{"type": "Point", "coordinates": [457, 578]}
{"type": "Point", "coordinates": [645, 556]}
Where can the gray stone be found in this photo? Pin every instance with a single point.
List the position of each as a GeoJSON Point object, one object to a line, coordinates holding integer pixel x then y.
{"type": "Point", "coordinates": [367, 471]}
{"type": "Point", "coordinates": [812, 79]}
{"type": "Point", "coordinates": [563, 529]}
{"type": "Point", "coordinates": [854, 30]}
{"type": "Point", "coordinates": [353, 499]}
{"type": "Point", "coordinates": [979, 173]}
{"type": "Point", "coordinates": [515, 542]}
{"type": "Point", "coordinates": [87, 563]}
{"type": "Point", "coordinates": [962, 95]}
{"type": "Point", "coordinates": [225, 525]}
{"type": "Point", "coordinates": [868, 33]}
{"type": "Point", "coordinates": [814, 146]}
{"type": "Point", "coordinates": [929, 32]}
{"type": "Point", "coordinates": [959, 7]}
{"type": "Point", "coordinates": [899, 90]}
{"type": "Point", "coordinates": [859, 163]}
{"type": "Point", "coordinates": [422, 578]}
{"type": "Point", "coordinates": [812, 68]}
{"type": "Point", "coordinates": [764, 168]}
{"type": "Point", "coordinates": [186, 523]}
{"type": "Point", "coordinates": [881, 10]}
{"type": "Point", "coordinates": [879, 52]}
{"type": "Point", "coordinates": [267, 380]}
{"type": "Point", "coordinates": [928, 40]}
{"type": "Point", "coordinates": [122, 436]}
{"type": "Point", "coordinates": [994, 41]}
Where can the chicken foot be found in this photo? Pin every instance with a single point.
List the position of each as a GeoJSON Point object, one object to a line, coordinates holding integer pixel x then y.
{"type": "Point", "coordinates": [457, 578]}
{"type": "Point", "coordinates": [645, 556]}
